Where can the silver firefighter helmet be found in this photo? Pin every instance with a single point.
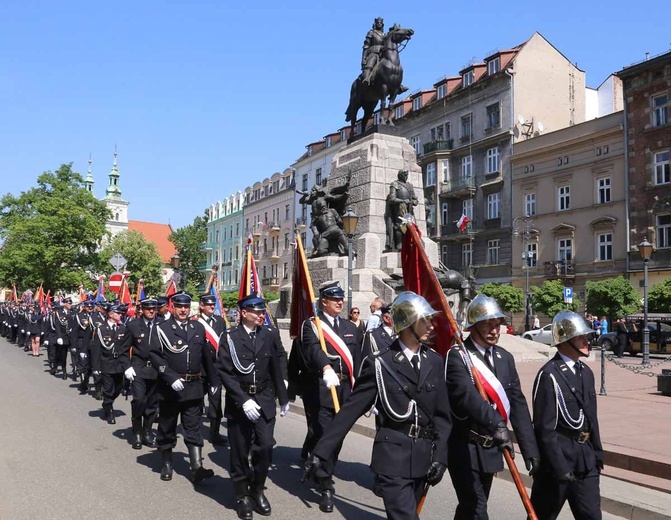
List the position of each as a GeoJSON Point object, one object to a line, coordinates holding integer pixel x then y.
{"type": "Point", "coordinates": [408, 308]}
{"type": "Point", "coordinates": [482, 308]}
{"type": "Point", "coordinates": [567, 325]}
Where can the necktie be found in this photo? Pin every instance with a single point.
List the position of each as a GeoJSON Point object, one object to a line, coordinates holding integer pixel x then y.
{"type": "Point", "coordinates": [252, 336]}
{"type": "Point", "coordinates": [488, 359]}
{"type": "Point", "coordinates": [578, 368]}
{"type": "Point", "coordinates": [415, 364]}
{"type": "Point", "coordinates": [336, 324]}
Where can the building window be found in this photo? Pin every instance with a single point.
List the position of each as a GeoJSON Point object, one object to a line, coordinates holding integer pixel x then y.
{"type": "Point", "coordinates": [328, 141]}
{"type": "Point", "coordinates": [467, 78]}
{"type": "Point", "coordinates": [417, 103]}
{"type": "Point", "coordinates": [416, 142]}
{"type": "Point", "coordinates": [565, 250]}
{"type": "Point", "coordinates": [216, 236]}
{"type": "Point", "coordinates": [662, 168]}
{"type": "Point", "coordinates": [303, 237]}
{"type": "Point", "coordinates": [305, 181]}
{"type": "Point", "coordinates": [445, 170]}
{"type": "Point", "coordinates": [318, 175]}
{"type": "Point", "coordinates": [216, 256]}
{"type": "Point", "coordinates": [286, 240]}
{"type": "Point", "coordinates": [663, 231]}
{"type": "Point", "coordinates": [237, 252]}
{"type": "Point", "coordinates": [431, 174]}
{"type": "Point", "coordinates": [343, 134]}
{"type": "Point", "coordinates": [287, 212]}
{"type": "Point", "coordinates": [377, 118]}
{"type": "Point", "coordinates": [493, 66]}
{"type": "Point", "coordinates": [529, 204]}
{"type": "Point", "coordinates": [660, 110]}
{"type": "Point", "coordinates": [398, 111]}
{"type": "Point", "coordinates": [237, 229]}
{"type": "Point", "coordinates": [563, 198]}
{"type": "Point", "coordinates": [310, 151]}
{"type": "Point", "coordinates": [443, 255]}
{"type": "Point", "coordinates": [467, 126]}
{"type": "Point", "coordinates": [493, 247]}
{"type": "Point", "coordinates": [603, 190]}
{"type": "Point", "coordinates": [493, 116]}
{"type": "Point", "coordinates": [604, 247]}
{"type": "Point", "coordinates": [448, 130]}
{"type": "Point", "coordinates": [493, 160]}
{"type": "Point", "coordinates": [532, 254]}
{"type": "Point", "coordinates": [443, 214]}
{"type": "Point", "coordinates": [466, 167]}
{"type": "Point", "coordinates": [437, 133]}
{"type": "Point", "coordinates": [493, 205]}
{"type": "Point", "coordinates": [285, 270]}
{"type": "Point", "coordinates": [466, 254]}
{"type": "Point", "coordinates": [440, 92]}
{"type": "Point", "coordinates": [304, 213]}
{"type": "Point", "coordinates": [467, 208]}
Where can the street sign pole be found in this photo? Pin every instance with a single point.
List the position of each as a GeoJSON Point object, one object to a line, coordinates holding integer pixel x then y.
{"type": "Point", "coordinates": [118, 262]}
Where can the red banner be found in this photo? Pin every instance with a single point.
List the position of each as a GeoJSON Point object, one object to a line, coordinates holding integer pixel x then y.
{"type": "Point", "coordinates": [301, 305]}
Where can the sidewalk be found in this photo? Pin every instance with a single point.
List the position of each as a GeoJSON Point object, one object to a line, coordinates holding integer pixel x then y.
{"type": "Point", "coordinates": [635, 423]}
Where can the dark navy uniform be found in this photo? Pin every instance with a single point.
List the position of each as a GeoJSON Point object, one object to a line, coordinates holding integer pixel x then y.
{"type": "Point", "coordinates": [59, 337]}
{"type": "Point", "coordinates": [473, 459]}
{"type": "Point", "coordinates": [567, 431]}
{"type": "Point", "coordinates": [375, 340]}
{"type": "Point", "coordinates": [106, 360]}
{"type": "Point", "coordinates": [81, 336]}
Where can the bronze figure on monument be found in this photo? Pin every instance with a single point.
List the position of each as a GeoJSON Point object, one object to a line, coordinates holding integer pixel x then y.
{"type": "Point", "coordinates": [401, 201]}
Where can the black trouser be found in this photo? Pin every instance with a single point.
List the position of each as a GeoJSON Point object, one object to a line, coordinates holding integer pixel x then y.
{"type": "Point", "coordinates": [401, 496]}
{"type": "Point", "coordinates": [145, 397]}
{"type": "Point", "coordinates": [51, 354]}
{"type": "Point", "coordinates": [170, 411]}
{"type": "Point", "coordinates": [247, 438]}
{"type": "Point", "coordinates": [472, 488]}
{"type": "Point", "coordinates": [548, 496]}
{"type": "Point", "coordinates": [61, 355]}
{"type": "Point", "coordinates": [320, 419]}
{"type": "Point", "coordinates": [214, 410]}
{"type": "Point", "coordinates": [112, 385]}
{"type": "Point", "coordinates": [622, 341]}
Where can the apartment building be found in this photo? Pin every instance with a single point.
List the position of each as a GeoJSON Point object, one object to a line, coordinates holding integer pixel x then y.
{"type": "Point", "coordinates": [225, 241]}
{"type": "Point", "coordinates": [647, 108]}
{"type": "Point", "coordinates": [464, 130]}
{"type": "Point", "coordinates": [569, 205]}
{"type": "Point", "coordinates": [268, 215]}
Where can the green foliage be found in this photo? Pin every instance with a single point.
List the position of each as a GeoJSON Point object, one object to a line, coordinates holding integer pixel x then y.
{"type": "Point", "coordinates": [271, 296]}
{"type": "Point", "coordinates": [612, 298]}
{"type": "Point", "coordinates": [144, 261]}
{"type": "Point", "coordinates": [659, 297]}
{"type": "Point", "coordinates": [509, 298]}
{"type": "Point", "coordinates": [51, 233]}
{"type": "Point", "coordinates": [229, 299]}
{"type": "Point", "coordinates": [549, 298]}
{"type": "Point", "coordinates": [187, 240]}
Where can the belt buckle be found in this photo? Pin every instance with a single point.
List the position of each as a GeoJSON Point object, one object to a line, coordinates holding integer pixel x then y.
{"type": "Point", "coordinates": [251, 389]}
{"type": "Point", "coordinates": [583, 437]}
{"type": "Point", "coordinates": [414, 431]}
{"type": "Point", "coordinates": [488, 441]}
{"type": "Point", "coordinates": [148, 363]}
{"type": "Point", "coordinates": [115, 355]}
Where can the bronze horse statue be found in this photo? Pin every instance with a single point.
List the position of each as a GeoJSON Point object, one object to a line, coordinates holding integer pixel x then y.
{"type": "Point", "coordinates": [385, 82]}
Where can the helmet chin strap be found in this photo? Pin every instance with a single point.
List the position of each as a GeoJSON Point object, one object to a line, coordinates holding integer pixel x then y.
{"type": "Point", "coordinates": [412, 329]}
{"type": "Point", "coordinates": [580, 353]}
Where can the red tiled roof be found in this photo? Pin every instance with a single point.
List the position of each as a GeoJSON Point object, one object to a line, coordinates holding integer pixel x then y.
{"type": "Point", "coordinates": [158, 234]}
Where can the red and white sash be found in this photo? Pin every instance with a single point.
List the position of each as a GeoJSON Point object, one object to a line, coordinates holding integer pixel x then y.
{"type": "Point", "coordinates": [210, 334]}
{"type": "Point", "coordinates": [338, 344]}
{"type": "Point", "coordinates": [493, 387]}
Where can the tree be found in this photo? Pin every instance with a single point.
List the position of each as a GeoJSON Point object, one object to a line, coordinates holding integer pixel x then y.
{"type": "Point", "coordinates": [613, 297]}
{"type": "Point", "coordinates": [144, 261]}
{"type": "Point", "coordinates": [229, 299]}
{"type": "Point", "coordinates": [509, 298]}
{"type": "Point", "coordinates": [187, 240]}
{"type": "Point", "coordinates": [659, 297]}
{"type": "Point", "coordinates": [51, 232]}
{"type": "Point", "coordinates": [549, 298]}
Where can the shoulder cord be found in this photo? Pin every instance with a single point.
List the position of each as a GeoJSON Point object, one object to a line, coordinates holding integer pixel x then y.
{"type": "Point", "coordinates": [166, 343]}
{"type": "Point", "coordinates": [102, 342]}
{"type": "Point", "coordinates": [575, 424]}
{"type": "Point", "coordinates": [382, 393]}
{"type": "Point", "coordinates": [466, 358]}
{"type": "Point", "coordinates": [236, 362]}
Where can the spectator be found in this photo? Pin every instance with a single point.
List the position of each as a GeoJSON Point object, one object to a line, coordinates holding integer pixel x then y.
{"type": "Point", "coordinates": [603, 327]}
{"type": "Point", "coordinates": [375, 319]}
{"type": "Point", "coordinates": [354, 318]}
{"type": "Point", "coordinates": [597, 325]}
{"type": "Point", "coordinates": [537, 322]}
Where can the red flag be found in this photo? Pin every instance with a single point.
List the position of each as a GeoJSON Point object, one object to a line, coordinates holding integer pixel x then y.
{"type": "Point", "coordinates": [39, 298]}
{"type": "Point", "coordinates": [249, 281]}
{"type": "Point", "coordinates": [15, 296]}
{"type": "Point", "coordinates": [124, 294]}
{"type": "Point", "coordinates": [47, 299]}
{"type": "Point", "coordinates": [301, 304]}
{"type": "Point", "coordinates": [172, 289]}
{"type": "Point", "coordinates": [463, 222]}
{"type": "Point", "coordinates": [418, 277]}
{"type": "Point", "coordinates": [82, 294]}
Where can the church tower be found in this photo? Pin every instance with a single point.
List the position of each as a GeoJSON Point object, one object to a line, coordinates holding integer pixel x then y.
{"type": "Point", "coordinates": [115, 203]}
{"type": "Point", "coordinates": [89, 182]}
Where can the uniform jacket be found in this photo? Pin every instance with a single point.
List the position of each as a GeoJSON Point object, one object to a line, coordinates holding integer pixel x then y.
{"type": "Point", "coordinates": [194, 359]}
{"type": "Point", "coordinates": [218, 324]}
{"type": "Point", "coordinates": [314, 388]}
{"type": "Point", "coordinates": [106, 358]}
{"type": "Point", "coordinates": [139, 338]}
{"type": "Point", "coordinates": [381, 340]}
{"type": "Point", "coordinates": [264, 352]}
{"type": "Point", "coordinates": [81, 332]}
{"type": "Point", "coordinates": [34, 324]}
{"type": "Point", "coordinates": [62, 323]}
{"type": "Point", "coordinates": [560, 452]}
{"type": "Point", "coordinates": [395, 453]}
{"type": "Point", "coordinates": [472, 412]}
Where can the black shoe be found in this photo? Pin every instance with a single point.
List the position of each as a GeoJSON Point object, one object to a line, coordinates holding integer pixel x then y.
{"type": "Point", "coordinates": [64, 375]}
{"type": "Point", "coordinates": [198, 472]}
{"type": "Point", "coordinates": [218, 440]}
{"type": "Point", "coordinates": [110, 417]}
{"type": "Point", "coordinates": [83, 390]}
{"type": "Point", "coordinates": [148, 440]}
{"type": "Point", "coordinates": [245, 509]}
{"type": "Point", "coordinates": [137, 442]}
{"type": "Point", "coordinates": [261, 504]}
{"type": "Point", "coordinates": [166, 465]}
{"type": "Point", "coordinates": [326, 502]}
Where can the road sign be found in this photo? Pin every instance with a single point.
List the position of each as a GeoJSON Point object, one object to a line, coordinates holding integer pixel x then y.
{"type": "Point", "coordinates": [568, 294]}
{"type": "Point", "coordinates": [118, 262]}
{"type": "Point", "coordinates": [114, 282]}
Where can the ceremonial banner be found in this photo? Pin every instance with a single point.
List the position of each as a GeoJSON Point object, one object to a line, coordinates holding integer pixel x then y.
{"type": "Point", "coordinates": [301, 305]}
{"type": "Point", "coordinates": [249, 281]}
{"type": "Point", "coordinates": [172, 289]}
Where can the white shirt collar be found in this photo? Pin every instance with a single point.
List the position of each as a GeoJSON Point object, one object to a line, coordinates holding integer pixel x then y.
{"type": "Point", "coordinates": [388, 330]}
{"type": "Point", "coordinates": [330, 319]}
{"type": "Point", "coordinates": [569, 362]}
{"type": "Point", "coordinates": [248, 330]}
{"type": "Point", "coordinates": [409, 353]}
{"type": "Point", "coordinates": [482, 350]}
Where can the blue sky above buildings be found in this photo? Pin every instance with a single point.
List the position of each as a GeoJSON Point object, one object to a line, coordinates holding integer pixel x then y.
{"type": "Point", "coordinates": [203, 98]}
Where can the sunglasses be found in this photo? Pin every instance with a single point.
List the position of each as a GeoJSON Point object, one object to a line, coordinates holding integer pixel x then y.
{"type": "Point", "coordinates": [355, 312]}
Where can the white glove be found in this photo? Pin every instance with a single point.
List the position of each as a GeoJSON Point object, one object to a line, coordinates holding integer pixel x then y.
{"type": "Point", "coordinates": [46, 342]}
{"type": "Point", "coordinates": [96, 372]}
{"type": "Point", "coordinates": [82, 355]}
{"type": "Point", "coordinates": [213, 389]}
{"type": "Point", "coordinates": [178, 386]}
{"type": "Point", "coordinates": [28, 333]}
{"type": "Point", "coordinates": [130, 374]}
{"type": "Point", "coordinates": [251, 409]}
{"type": "Point", "coordinates": [286, 383]}
{"type": "Point", "coordinates": [23, 331]}
{"type": "Point", "coordinates": [374, 410]}
{"type": "Point", "coordinates": [330, 378]}
{"type": "Point", "coordinates": [284, 410]}
{"type": "Point", "coordinates": [59, 341]}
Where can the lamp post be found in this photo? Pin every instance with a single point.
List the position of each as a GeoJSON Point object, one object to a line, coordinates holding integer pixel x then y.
{"type": "Point", "coordinates": [645, 249]}
{"type": "Point", "coordinates": [349, 220]}
{"type": "Point", "coordinates": [523, 227]}
{"type": "Point", "coordinates": [175, 262]}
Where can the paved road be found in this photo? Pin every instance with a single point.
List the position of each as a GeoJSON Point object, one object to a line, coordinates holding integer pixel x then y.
{"type": "Point", "coordinates": [60, 460]}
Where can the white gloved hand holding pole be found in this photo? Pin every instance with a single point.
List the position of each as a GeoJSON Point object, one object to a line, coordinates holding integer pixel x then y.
{"type": "Point", "coordinates": [251, 409]}
{"type": "Point", "coordinates": [284, 409]}
{"type": "Point", "coordinates": [130, 374]}
{"type": "Point", "coordinates": [330, 378]}
{"type": "Point", "coordinates": [178, 385]}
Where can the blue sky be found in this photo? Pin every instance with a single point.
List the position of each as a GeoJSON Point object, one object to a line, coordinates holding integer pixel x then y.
{"type": "Point", "coordinates": [203, 98]}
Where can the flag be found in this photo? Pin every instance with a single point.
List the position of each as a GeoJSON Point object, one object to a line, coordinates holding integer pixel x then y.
{"type": "Point", "coordinates": [100, 293]}
{"type": "Point", "coordinates": [82, 294]}
{"type": "Point", "coordinates": [15, 296]}
{"type": "Point", "coordinates": [419, 277]}
{"type": "Point", "coordinates": [47, 299]}
{"type": "Point", "coordinates": [172, 289]}
{"type": "Point", "coordinates": [218, 308]}
{"type": "Point", "coordinates": [463, 222]}
{"type": "Point", "coordinates": [124, 293]}
{"type": "Point", "coordinates": [139, 294]}
{"type": "Point", "coordinates": [249, 281]}
{"type": "Point", "coordinates": [301, 304]}
{"type": "Point", "coordinates": [39, 298]}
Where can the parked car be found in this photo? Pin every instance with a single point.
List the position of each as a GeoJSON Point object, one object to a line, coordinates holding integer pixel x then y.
{"type": "Point", "coordinates": [542, 335]}
{"type": "Point", "coordinates": [659, 326]}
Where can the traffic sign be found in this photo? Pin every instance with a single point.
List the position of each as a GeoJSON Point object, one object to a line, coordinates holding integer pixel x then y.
{"type": "Point", "coordinates": [114, 282]}
{"type": "Point", "coordinates": [118, 262]}
{"type": "Point", "coordinates": [568, 294]}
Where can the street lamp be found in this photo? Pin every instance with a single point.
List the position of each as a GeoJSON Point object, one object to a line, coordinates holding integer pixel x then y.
{"type": "Point", "coordinates": [349, 220]}
{"type": "Point", "coordinates": [645, 249]}
{"type": "Point", "coordinates": [175, 263]}
{"type": "Point", "coordinates": [523, 227]}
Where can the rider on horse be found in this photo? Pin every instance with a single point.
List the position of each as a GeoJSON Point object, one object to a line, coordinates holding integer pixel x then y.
{"type": "Point", "coordinates": [372, 48]}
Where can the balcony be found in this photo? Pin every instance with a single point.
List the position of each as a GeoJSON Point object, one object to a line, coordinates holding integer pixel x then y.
{"type": "Point", "coordinates": [438, 146]}
{"type": "Point", "coordinates": [301, 223]}
{"type": "Point", "coordinates": [271, 282]}
{"type": "Point", "coordinates": [274, 228]}
{"type": "Point", "coordinates": [450, 232]}
{"type": "Point", "coordinates": [205, 247]}
{"type": "Point", "coordinates": [275, 255]}
{"type": "Point", "coordinates": [460, 188]}
{"type": "Point", "coordinates": [559, 269]}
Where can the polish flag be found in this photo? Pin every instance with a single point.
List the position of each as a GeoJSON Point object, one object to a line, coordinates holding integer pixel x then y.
{"type": "Point", "coordinates": [463, 222]}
